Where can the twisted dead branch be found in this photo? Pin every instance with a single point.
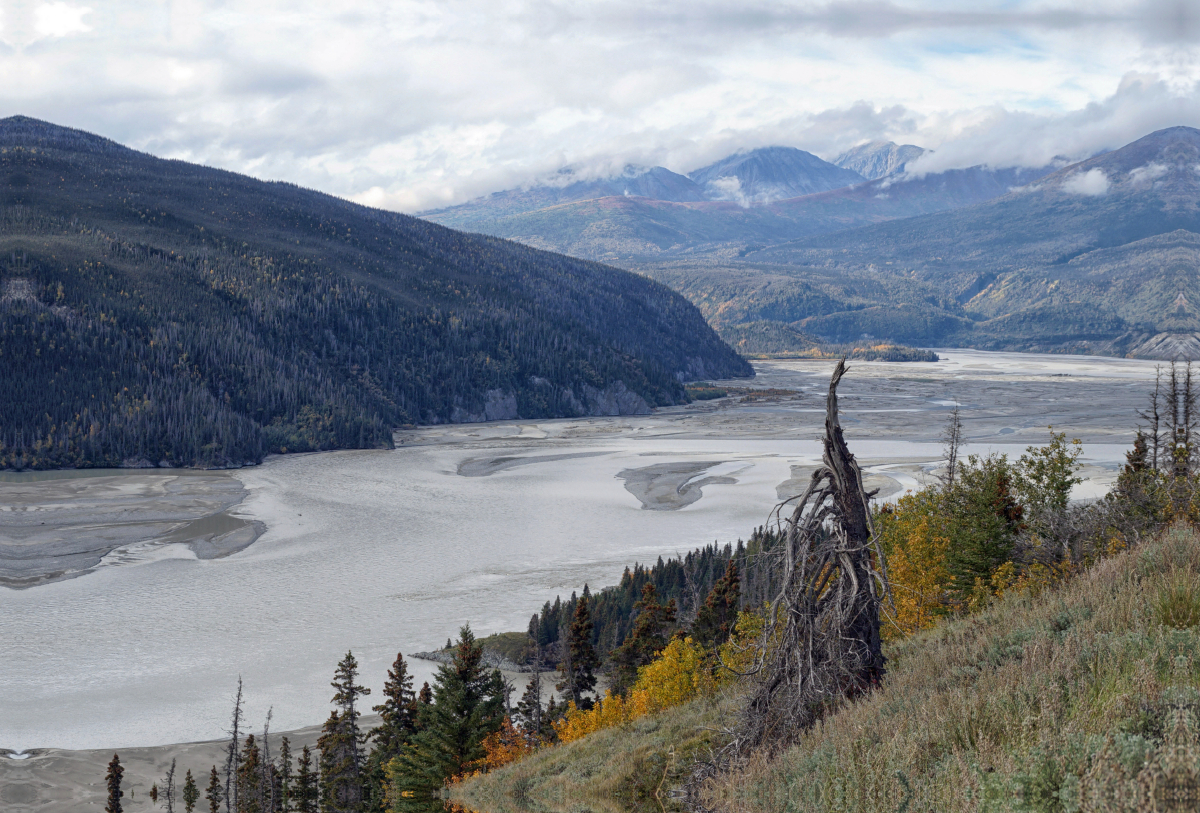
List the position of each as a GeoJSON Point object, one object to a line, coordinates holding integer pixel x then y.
{"type": "Point", "coordinates": [820, 643]}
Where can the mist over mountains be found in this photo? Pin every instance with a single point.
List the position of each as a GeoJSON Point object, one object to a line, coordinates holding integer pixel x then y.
{"type": "Point", "coordinates": [1095, 256]}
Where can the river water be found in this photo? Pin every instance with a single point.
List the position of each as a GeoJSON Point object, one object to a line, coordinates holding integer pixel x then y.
{"type": "Point", "coordinates": [385, 551]}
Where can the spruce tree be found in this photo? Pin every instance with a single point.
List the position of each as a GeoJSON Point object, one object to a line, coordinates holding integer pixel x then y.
{"type": "Point", "coordinates": [331, 759]}
{"type": "Point", "coordinates": [468, 704]}
{"type": "Point", "coordinates": [213, 794]}
{"type": "Point", "coordinates": [285, 775]}
{"type": "Point", "coordinates": [249, 779]}
{"type": "Point", "coordinates": [191, 794]}
{"type": "Point", "coordinates": [113, 780]}
{"type": "Point", "coordinates": [579, 665]}
{"type": "Point", "coordinates": [651, 629]}
{"type": "Point", "coordinates": [716, 619]}
{"type": "Point", "coordinates": [306, 784]}
{"type": "Point", "coordinates": [341, 756]}
{"type": "Point", "coordinates": [232, 755]}
{"type": "Point", "coordinates": [529, 707]}
{"type": "Point", "coordinates": [169, 788]}
{"type": "Point", "coordinates": [398, 713]}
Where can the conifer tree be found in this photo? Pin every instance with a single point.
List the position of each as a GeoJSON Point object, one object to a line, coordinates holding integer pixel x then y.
{"type": "Point", "coordinates": [529, 707]}
{"type": "Point", "coordinates": [113, 780]}
{"type": "Point", "coordinates": [579, 666]}
{"type": "Point", "coordinates": [213, 794]}
{"type": "Point", "coordinates": [649, 636]}
{"type": "Point", "coordinates": [468, 705]}
{"type": "Point", "coordinates": [398, 712]}
{"type": "Point", "coordinates": [232, 755]}
{"type": "Point", "coordinates": [341, 755]}
{"type": "Point", "coordinates": [425, 696]}
{"type": "Point", "coordinates": [306, 784]}
{"type": "Point", "coordinates": [191, 794]}
{"type": "Point", "coordinates": [330, 760]}
{"type": "Point", "coordinates": [285, 775]}
{"type": "Point", "coordinates": [985, 520]}
{"type": "Point", "coordinates": [717, 617]}
{"type": "Point", "coordinates": [169, 788]}
{"type": "Point", "coordinates": [249, 779]}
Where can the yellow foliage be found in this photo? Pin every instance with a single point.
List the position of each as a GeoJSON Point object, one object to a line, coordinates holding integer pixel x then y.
{"type": "Point", "coordinates": [917, 568]}
{"type": "Point", "coordinates": [681, 672]}
{"type": "Point", "coordinates": [740, 651]}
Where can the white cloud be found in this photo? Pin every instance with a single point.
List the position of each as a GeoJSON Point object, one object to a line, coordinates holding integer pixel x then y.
{"type": "Point", "coordinates": [1091, 183]}
{"type": "Point", "coordinates": [1142, 176]}
{"type": "Point", "coordinates": [60, 19]}
{"type": "Point", "coordinates": [425, 103]}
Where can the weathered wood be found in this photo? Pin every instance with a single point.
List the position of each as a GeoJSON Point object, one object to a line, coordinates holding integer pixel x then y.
{"type": "Point", "coordinates": [821, 643]}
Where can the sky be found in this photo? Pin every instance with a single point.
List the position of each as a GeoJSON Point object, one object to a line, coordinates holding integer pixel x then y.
{"type": "Point", "coordinates": [419, 104]}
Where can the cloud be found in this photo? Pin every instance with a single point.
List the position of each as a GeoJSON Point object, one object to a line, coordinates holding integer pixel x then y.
{"type": "Point", "coordinates": [60, 19]}
{"type": "Point", "coordinates": [1092, 183]}
{"type": "Point", "coordinates": [1142, 176]}
{"type": "Point", "coordinates": [426, 103]}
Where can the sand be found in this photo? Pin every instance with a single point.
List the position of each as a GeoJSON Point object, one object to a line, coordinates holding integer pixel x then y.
{"type": "Point", "coordinates": [54, 780]}
{"type": "Point", "coordinates": [61, 525]}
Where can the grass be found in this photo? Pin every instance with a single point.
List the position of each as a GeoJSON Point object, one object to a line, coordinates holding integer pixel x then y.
{"type": "Point", "coordinates": [617, 770]}
{"type": "Point", "coordinates": [1021, 707]}
{"type": "Point", "coordinates": [1009, 709]}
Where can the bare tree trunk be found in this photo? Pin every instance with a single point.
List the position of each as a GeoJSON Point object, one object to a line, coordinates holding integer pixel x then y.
{"type": "Point", "coordinates": [266, 780]}
{"type": "Point", "coordinates": [821, 642]}
{"type": "Point", "coordinates": [233, 755]}
{"type": "Point", "coordinates": [953, 437]}
{"type": "Point", "coordinates": [1154, 419]}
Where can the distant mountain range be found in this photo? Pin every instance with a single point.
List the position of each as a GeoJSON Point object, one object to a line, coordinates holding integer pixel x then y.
{"type": "Point", "coordinates": [751, 198]}
{"type": "Point", "coordinates": [746, 177]}
{"type": "Point", "coordinates": [157, 312]}
{"type": "Point", "coordinates": [770, 174]}
{"type": "Point", "coordinates": [1095, 256]}
{"type": "Point", "coordinates": [878, 159]}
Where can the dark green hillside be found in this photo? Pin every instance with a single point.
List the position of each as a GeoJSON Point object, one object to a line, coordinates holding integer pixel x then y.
{"type": "Point", "coordinates": [159, 311]}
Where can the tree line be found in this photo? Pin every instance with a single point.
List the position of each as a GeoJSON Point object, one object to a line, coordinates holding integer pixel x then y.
{"type": "Point", "coordinates": [156, 312]}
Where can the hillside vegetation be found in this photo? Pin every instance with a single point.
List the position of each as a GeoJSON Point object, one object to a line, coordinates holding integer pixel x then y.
{"type": "Point", "coordinates": [1018, 707]}
{"type": "Point", "coordinates": [158, 312]}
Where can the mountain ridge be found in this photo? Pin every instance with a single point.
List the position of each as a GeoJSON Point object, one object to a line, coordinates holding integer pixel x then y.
{"type": "Point", "coordinates": [214, 317]}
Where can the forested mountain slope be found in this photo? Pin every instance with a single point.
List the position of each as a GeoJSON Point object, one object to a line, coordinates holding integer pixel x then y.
{"type": "Point", "coordinates": [155, 311]}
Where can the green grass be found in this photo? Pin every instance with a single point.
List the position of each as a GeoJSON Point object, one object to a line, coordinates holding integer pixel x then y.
{"type": "Point", "coordinates": [1016, 708]}
{"type": "Point", "coordinates": [618, 770]}
{"type": "Point", "coordinates": [1009, 709]}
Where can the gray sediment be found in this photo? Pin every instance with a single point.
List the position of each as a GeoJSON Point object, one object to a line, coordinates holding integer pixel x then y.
{"type": "Point", "coordinates": [68, 526]}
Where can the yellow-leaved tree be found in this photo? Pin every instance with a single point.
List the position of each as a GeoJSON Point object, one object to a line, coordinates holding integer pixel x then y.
{"type": "Point", "coordinates": [682, 671]}
{"type": "Point", "coordinates": [918, 569]}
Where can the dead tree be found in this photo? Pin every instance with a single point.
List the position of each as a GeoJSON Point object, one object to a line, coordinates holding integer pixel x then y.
{"type": "Point", "coordinates": [1153, 418]}
{"type": "Point", "coordinates": [232, 754]}
{"type": "Point", "coordinates": [953, 437]}
{"type": "Point", "coordinates": [821, 641]}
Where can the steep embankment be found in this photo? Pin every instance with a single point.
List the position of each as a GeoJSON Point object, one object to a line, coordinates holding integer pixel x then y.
{"type": "Point", "coordinates": [156, 311]}
{"type": "Point", "coordinates": [1038, 703]}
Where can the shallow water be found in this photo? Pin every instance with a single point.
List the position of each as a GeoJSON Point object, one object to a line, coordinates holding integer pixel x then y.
{"type": "Point", "coordinates": [380, 551]}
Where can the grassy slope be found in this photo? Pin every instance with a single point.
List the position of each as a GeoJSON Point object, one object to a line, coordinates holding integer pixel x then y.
{"type": "Point", "coordinates": [1002, 710]}
{"type": "Point", "coordinates": [613, 771]}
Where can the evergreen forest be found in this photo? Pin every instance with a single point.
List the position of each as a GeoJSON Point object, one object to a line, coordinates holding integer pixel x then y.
{"type": "Point", "coordinates": [156, 312]}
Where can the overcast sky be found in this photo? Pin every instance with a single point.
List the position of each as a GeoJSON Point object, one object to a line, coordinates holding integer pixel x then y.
{"type": "Point", "coordinates": [411, 105]}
